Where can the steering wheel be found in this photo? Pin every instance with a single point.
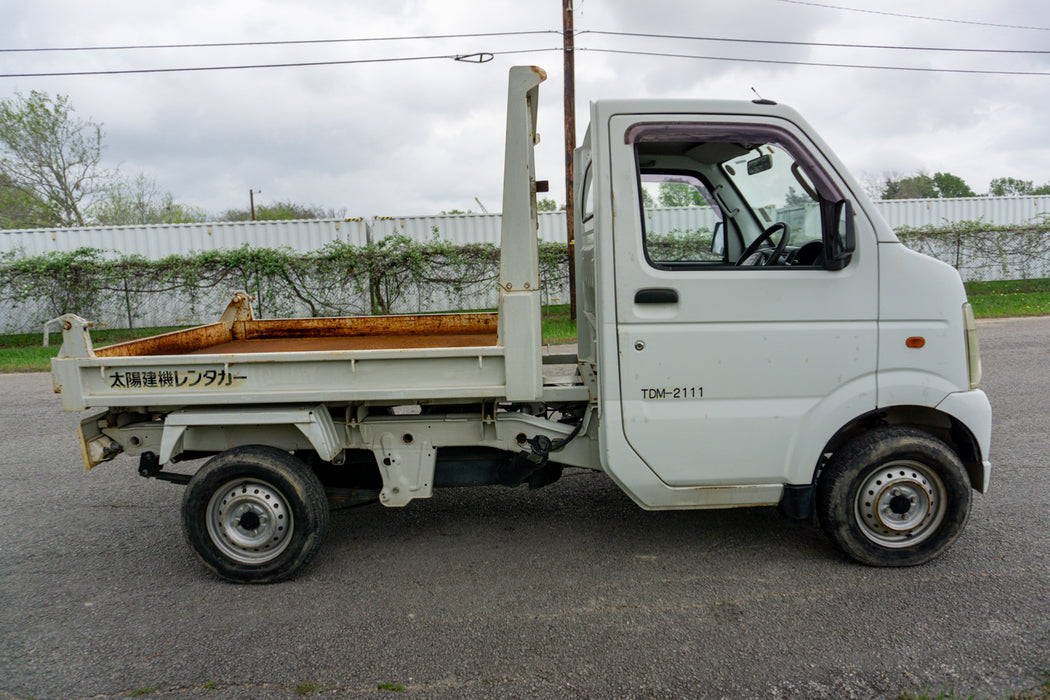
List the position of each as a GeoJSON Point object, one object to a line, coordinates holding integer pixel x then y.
{"type": "Point", "coordinates": [766, 236]}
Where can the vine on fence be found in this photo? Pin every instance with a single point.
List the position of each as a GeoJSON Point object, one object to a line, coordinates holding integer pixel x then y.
{"type": "Point", "coordinates": [981, 251]}
{"type": "Point", "coordinates": [391, 275]}
{"type": "Point", "coordinates": [687, 245]}
{"type": "Point", "coordinates": [396, 274]}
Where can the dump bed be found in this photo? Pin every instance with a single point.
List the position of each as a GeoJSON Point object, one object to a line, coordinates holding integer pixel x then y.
{"type": "Point", "coordinates": [243, 360]}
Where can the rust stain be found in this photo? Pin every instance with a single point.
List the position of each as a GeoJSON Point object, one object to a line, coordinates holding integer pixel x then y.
{"type": "Point", "coordinates": [358, 342]}
{"type": "Point", "coordinates": [319, 334]}
{"type": "Point", "coordinates": [174, 343]}
{"type": "Point", "coordinates": [424, 324]}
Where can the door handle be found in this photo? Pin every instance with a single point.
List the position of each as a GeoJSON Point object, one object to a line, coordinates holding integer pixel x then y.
{"type": "Point", "coordinates": [656, 296]}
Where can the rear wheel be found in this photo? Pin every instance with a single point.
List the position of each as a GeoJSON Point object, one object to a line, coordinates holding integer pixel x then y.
{"type": "Point", "coordinates": [255, 514]}
{"type": "Point", "coordinates": [894, 497]}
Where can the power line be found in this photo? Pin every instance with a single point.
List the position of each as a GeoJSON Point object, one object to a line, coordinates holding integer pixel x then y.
{"type": "Point", "coordinates": [813, 63]}
{"type": "Point", "coordinates": [815, 43]}
{"type": "Point", "coordinates": [906, 16]}
{"type": "Point", "coordinates": [469, 58]}
{"type": "Point", "coordinates": [478, 57]}
{"type": "Point", "coordinates": [278, 43]}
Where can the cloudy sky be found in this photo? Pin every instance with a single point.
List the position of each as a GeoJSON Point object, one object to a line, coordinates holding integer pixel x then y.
{"type": "Point", "coordinates": [421, 136]}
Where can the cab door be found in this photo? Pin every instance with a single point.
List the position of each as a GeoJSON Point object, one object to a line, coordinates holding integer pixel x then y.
{"type": "Point", "coordinates": [725, 361]}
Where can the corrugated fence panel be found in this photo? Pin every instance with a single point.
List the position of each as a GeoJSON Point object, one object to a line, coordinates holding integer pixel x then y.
{"type": "Point", "coordinates": [464, 228]}
{"type": "Point", "coordinates": [458, 228]}
{"type": "Point", "coordinates": [552, 227]}
{"type": "Point", "coordinates": [160, 241]}
{"type": "Point", "coordinates": [916, 213]}
{"type": "Point", "coordinates": [156, 242]}
{"type": "Point", "coordinates": [680, 219]}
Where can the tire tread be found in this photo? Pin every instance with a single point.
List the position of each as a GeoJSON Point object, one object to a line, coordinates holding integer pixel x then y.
{"type": "Point", "coordinates": [856, 458]}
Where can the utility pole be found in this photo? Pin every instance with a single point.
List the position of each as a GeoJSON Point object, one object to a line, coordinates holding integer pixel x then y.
{"type": "Point", "coordinates": [570, 146]}
{"type": "Point", "coordinates": [251, 198]}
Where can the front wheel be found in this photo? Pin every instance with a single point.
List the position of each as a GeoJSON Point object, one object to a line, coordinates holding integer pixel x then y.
{"type": "Point", "coordinates": [894, 497]}
{"type": "Point", "coordinates": [255, 514]}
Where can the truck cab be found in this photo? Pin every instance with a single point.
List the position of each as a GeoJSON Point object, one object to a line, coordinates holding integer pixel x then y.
{"type": "Point", "coordinates": [741, 341]}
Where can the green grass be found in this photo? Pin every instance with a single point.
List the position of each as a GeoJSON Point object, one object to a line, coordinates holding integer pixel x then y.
{"type": "Point", "coordinates": [23, 352]}
{"type": "Point", "coordinates": [942, 695]}
{"type": "Point", "coordinates": [395, 687]}
{"type": "Point", "coordinates": [558, 328]}
{"type": "Point", "coordinates": [1010, 298]}
{"type": "Point", "coordinates": [1008, 287]}
{"type": "Point", "coordinates": [1040, 692]}
{"type": "Point", "coordinates": [1002, 305]}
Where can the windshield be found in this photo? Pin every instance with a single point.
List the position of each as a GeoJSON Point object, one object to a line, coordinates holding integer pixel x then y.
{"type": "Point", "coordinates": [776, 189]}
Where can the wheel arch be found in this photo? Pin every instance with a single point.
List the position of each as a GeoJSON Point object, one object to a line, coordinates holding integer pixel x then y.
{"type": "Point", "coordinates": [282, 427]}
{"type": "Point", "coordinates": [943, 426]}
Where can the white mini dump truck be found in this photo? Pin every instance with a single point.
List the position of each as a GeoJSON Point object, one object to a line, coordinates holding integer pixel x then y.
{"type": "Point", "coordinates": [791, 353]}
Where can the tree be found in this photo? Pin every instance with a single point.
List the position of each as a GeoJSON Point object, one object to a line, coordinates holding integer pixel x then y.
{"type": "Point", "coordinates": [546, 204]}
{"type": "Point", "coordinates": [874, 185]}
{"type": "Point", "coordinates": [949, 185]}
{"type": "Point", "coordinates": [794, 198]}
{"type": "Point", "coordinates": [50, 157]}
{"type": "Point", "coordinates": [139, 201]}
{"type": "Point", "coordinates": [1009, 186]}
{"type": "Point", "coordinates": [918, 186]}
{"type": "Point", "coordinates": [647, 200]}
{"type": "Point", "coordinates": [19, 209]}
{"type": "Point", "coordinates": [281, 211]}
{"type": "Point", "coordinates": [679, 194]}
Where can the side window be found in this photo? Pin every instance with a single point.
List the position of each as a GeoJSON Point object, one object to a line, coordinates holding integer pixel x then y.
{"type": "Point", "coordinates": [588, 195]}
{"type": "Point", "coordinates": [681, 220]}
{"type": "Point", "coordinates": [735, 195]}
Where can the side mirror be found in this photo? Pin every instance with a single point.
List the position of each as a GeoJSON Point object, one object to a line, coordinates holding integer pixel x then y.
{"type": "Point", "coordinates": [718, 241]}
{"type": "Point", "coordinates": [841, 244]}
{"type": "Point", "coordinates": [849, 244]}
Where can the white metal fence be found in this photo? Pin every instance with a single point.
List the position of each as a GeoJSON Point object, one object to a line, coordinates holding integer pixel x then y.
{"type": "Point", "coordinates": [159, 241]}
{"type": "Point", "coordinates": [917, 213]}
{"type": "Point", "coordinates": [156, 242]}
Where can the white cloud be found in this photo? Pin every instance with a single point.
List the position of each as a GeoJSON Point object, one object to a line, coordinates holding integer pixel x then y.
{"type": "Point", "coordinates": [420, 137]}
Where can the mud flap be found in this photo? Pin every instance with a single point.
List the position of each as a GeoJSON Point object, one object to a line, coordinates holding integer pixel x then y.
{"type": "Point", "coordinates": [95, 447]}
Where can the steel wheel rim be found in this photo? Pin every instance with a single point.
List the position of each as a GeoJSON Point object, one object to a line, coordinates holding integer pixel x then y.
{"type": "Point", "coordinates": [249, 521]}
{"type": "Point", "coordinates": [900, 504]}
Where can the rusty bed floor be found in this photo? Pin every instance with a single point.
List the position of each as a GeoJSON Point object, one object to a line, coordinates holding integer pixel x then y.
{"type": "Point", "coordinates": [356, 342]}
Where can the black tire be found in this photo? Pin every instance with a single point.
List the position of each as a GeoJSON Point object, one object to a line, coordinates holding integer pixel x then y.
{"type": "Point", "coordinates": [255, 514]}
{"type": "Point", "coordinates": [894, 497]}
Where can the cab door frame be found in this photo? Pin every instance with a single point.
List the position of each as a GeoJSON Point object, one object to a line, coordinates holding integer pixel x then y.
{"type": "Point", "coordinates": [730, 446]}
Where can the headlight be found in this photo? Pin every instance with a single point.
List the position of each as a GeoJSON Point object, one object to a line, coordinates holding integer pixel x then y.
{"type": "Point", "coordinates": [973, 351]}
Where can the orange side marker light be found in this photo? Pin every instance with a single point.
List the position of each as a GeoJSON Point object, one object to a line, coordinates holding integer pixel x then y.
{"type": "Point", "coordinates": [915, 341]}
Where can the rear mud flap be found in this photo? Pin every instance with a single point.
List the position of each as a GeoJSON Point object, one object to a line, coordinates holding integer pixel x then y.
{"type": "Point", "coordinates": [95, 447]}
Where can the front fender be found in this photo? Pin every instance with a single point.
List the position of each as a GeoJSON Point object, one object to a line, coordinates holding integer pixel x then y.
{"type": "Point", "coordinates": [822, 422]}
{"type": "Point", "coordinates": [973, 410]}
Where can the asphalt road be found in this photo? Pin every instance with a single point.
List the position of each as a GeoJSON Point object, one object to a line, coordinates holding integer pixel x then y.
{"type": "Point", "coordinates": [566, 591]}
